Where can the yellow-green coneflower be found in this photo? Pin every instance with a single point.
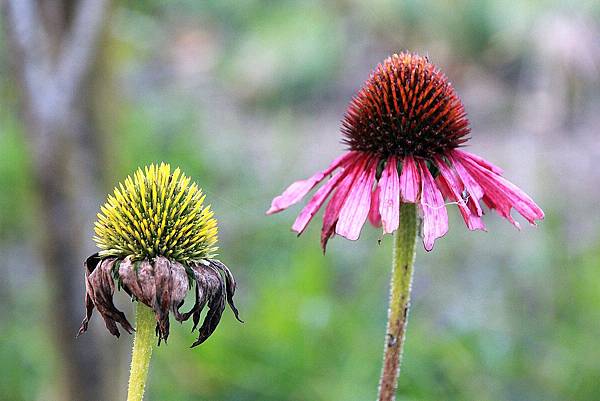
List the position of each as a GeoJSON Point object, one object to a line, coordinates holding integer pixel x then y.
{"type": "Point", "coordinates": [157, 240]}
{"type": "Point", "coordinates": [157, 213]}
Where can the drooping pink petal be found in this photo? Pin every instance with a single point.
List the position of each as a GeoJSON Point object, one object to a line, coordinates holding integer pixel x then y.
{"type": "Point", "coordinates": [451, 187]}
{"type": "Point", "coordinates": [316, 201]}
{"type": "Point", "coordinates": [479, 160]}
{"type": "Point", "coordinates": [409, 180]}
{"type": "Point", "coordinates": [389, 202]}
{"type": "Point", "coordinates": [500, 194]}
{"type": "Point", "coordinates": [374, 215]}
{"type": "Point", "coordinates": [474, 191]}
{"type": "Point", "coordinates": [298, 189]}
{"type": "Point", "coordinates": [443, 187]}
{"type": "Point", "coordinates": [332, 210]}
{"type": "Point", "coordinates": [435, 217]}
{"type": "Point", "coordinates": [356, 206]}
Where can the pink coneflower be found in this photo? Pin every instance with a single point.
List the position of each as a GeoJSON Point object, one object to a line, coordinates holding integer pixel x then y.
{"type": "Point", "coordinates": [404, 129]}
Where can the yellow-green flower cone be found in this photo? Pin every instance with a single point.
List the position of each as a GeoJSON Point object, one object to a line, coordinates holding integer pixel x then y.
{"type": "Point", "coordinates": [157, 212]}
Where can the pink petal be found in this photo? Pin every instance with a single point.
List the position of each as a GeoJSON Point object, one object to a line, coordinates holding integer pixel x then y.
{"type": "Point", "coordinates": [476, 159]}
{"type": "Point", "coordinates": [409, 180]}
{"type": "Point", "coordinates": [452, 188]}
{"type": "Point", "coordinates": [389, 204]}
{"type": "Point", "coordinates": [298, 189]}
{"type": "Point", "coordinates": [435, 217]}
{"type": "Point", "coordinates": [374, 216]}
{"type": "Point", "coordinates": [332, 211]}
{"type": "Point", "coordinates": [316, 201]}
{"type": "Point", "coordinates": [502, 195]}
{"type": "Point", "coordinates": [444, 188]}
{"type": "Point", "coordinates": [356, 206]}
{"type": "Point", "coordinates": [474, 191]}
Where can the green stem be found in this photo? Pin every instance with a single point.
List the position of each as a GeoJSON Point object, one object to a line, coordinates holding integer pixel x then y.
{"type": "Point", "coordinates": [142, 351]}
{"type": "Point", "coordinates": [400, 286]}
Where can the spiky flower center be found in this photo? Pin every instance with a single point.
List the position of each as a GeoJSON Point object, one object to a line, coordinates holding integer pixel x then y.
{"type": "Point", "coordinates": [156, 213]}
{"type": "Point", "coordinates": [406, 107]}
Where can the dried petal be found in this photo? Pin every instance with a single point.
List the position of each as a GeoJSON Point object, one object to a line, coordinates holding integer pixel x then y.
{"type": "Point", "coordinates": [230, 285]}
{"type": "Point", "coordinates": [214, 293]}
{"type": "Point", "coordinates": [162, 304]}
{"type": "Point", "coordinates": [179, 287]}
{"type": "Point", "coordinates": [161, 284]}
{"type": "Point", "coordinates": [199, 303]}
{"type": "Point", "coordinates": [90, 264]}
{"type": "Point", "coordinates": [99, 290]}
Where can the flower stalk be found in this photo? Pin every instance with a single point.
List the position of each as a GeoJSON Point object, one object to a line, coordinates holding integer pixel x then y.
{"type": "Point", "coordinates": [142, 351]}
{"type": "Point", "coordinates": [400, 287]}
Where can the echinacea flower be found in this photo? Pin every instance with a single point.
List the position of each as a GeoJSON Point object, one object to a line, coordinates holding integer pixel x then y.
{"type": "Point", "coordinates": [157, 241]}
{"type": "Point", "coordinates": [405, 129]}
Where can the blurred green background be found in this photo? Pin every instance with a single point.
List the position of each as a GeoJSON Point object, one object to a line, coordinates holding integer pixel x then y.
{"type": "Point", "coordinates": [246, 97]}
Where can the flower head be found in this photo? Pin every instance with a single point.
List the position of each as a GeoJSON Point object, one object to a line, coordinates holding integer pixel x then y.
{"type": "Point", "coordinates": [156, 213]}
{"type": "Point", "coordinates": [404, 129]}
{"type": "Point", "coordinates": [407, 107]}
{"type": "Point", "coordinates": [157, 241]}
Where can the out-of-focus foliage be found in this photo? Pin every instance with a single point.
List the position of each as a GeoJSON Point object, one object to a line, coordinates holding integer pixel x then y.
{"type": "Point", "coordinates": [246, 96]}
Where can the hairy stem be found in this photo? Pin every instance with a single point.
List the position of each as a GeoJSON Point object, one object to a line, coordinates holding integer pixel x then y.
{"type": "Point", "coordinates": [400, 286]}
{"type": "Point", "coordinates": [142, 351]}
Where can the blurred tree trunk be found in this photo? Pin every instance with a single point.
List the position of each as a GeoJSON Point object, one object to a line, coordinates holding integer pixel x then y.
{"type": "Point", "coordinates": [53, 44]}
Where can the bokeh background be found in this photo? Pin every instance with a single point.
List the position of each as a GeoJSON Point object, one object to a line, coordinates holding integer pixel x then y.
{"type": "Point", "coordinates": [247, 96]}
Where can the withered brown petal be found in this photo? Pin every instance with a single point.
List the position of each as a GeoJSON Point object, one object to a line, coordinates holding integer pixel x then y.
{"type": "Point", "coordinates": [179, 286]}
{"type": "Point", "coordinates": [197, 306]}
{"type": "Point", "coordinates": [162, 278]}
{"type": "Point", "coordinates": [138, 280]}
{"type": "Point", "coordinates": [215, 290]}
{"type": "Point", "coordinates": [204, 292]}
{"type": "Point", "coordinates": [89, 265]}
{"type": "Point", "coordinates": [100, 288]}
{"type": "Point", "coordinates": [162, 285]}
{"type": "Point", "coordinates": [230, 283]}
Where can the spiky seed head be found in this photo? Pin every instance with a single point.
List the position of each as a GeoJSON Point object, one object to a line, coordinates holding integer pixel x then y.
{"type": "Point", "coordinates": [406, 107]}
{"type": "Point", "coordinates": [157, 213]}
